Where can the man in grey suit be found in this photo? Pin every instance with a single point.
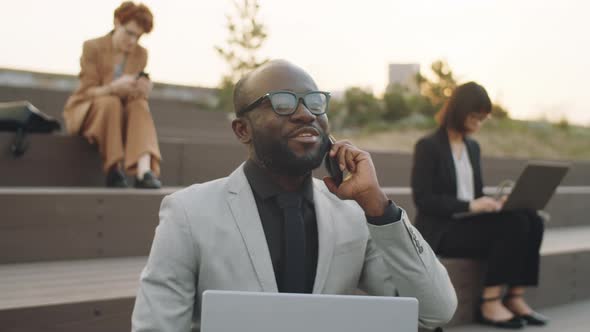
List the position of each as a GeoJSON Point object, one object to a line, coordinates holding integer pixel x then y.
{"type": "Point", "coordinates": [270, 227]}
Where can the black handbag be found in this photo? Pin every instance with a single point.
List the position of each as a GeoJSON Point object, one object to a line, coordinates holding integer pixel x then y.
{"type": "Point", "coordinates": [21, 117]}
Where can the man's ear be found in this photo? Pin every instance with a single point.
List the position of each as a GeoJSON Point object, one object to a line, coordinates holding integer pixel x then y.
{"type": "Point", "coordinates": [242, 130]}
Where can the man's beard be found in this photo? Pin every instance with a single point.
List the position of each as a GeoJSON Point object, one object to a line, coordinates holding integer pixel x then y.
{"type": "Point", "coordinates": [276, 155]}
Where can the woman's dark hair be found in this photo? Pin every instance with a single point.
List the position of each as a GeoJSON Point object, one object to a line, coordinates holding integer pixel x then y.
{"type": "Point", "coordinates": [467, 98]}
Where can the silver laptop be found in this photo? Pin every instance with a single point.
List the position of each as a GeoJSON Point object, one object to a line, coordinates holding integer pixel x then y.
{"type": "Point", "coordinates": [534, 187]}
{"type": "Point", "coordinates": [229, 311]}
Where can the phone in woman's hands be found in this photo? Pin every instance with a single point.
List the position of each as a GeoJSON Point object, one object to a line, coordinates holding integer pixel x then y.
{"type": "Point", "coordinates": [142, 74]}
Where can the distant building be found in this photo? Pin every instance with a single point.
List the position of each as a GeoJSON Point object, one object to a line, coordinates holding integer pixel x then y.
{"type": "Point", "coordinates": [404, 74]}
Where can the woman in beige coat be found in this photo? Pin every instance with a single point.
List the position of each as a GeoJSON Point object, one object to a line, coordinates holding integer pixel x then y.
{"type": "Point", "coordinates": [110, 106]}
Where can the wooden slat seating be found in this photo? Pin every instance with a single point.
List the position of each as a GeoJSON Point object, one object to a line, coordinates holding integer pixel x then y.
{"type": "Point", "coordinates": [91, 316]}
{"type": "Point", "coordinates": [98, 223]}
{"type": "Point", "coordinates": [87, 295]}
{"type": "Point", "coordinates": [51, 283]}
{"type": "Point", "coordinates": [187, 162]}
{"type": "Point", "coordinates": [89, 223]}
{"type": "Point", "coordinates": [71, 250]}
{"type": "Point", "coordinates": [50, 161]}
{"type": "Point", "coordinates": [42, 289]}
{"type": "Point", "coordinates": [173, 118]}
{"type": "Point", "coordinates": [51, 224]}
{"type": "Point", "coordinates": [45, 224]}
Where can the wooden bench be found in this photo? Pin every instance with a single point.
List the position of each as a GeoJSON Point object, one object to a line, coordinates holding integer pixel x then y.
{"type": "Point", "coordinates": [91, 295]}
{"type": "Point", "coordinates": [173, 117]}
{"type": "Point", "coordinates": [50, 161]}
{"type": "Point", "coordinates": [44, 224]}
{"type": "Point", "coordinates": [186, 162]}
{"type": "Point", "coordinates": [86, 295]}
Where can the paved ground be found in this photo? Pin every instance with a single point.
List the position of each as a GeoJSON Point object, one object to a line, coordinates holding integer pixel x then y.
{"type": "Point", "coordinates": [573, 317]}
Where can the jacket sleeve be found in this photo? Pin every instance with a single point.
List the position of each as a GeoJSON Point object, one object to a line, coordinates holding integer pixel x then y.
{"type": "Point", "coordinates": [399, 262]}
{"type": "Point", "coordinates": [422, 179]}
{"type": "Point", "coordinates": [166, 295]}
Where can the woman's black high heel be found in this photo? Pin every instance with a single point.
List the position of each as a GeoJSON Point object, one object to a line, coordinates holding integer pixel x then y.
{"type": "Point", "coordinates": [515, 322]}
{"type": "Point", "coordinates": [533, 318]}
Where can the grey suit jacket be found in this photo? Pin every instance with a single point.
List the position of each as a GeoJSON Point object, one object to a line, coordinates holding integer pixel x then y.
{"type": "Point", "coordinates": [210, 237]}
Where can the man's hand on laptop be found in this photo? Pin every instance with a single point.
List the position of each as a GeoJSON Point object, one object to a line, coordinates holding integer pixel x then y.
{"type": "Point", "coordinates": [485, 204]}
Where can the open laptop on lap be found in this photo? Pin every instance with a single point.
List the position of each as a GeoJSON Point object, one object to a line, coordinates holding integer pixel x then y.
{"type": "Point", "coordinates": [271, 312]}
{"type": "Point", "coordinates": [534, 187]}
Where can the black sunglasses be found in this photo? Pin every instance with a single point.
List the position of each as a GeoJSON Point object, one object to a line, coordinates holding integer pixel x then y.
{"type": "Point", "coordinates": [286, 102]}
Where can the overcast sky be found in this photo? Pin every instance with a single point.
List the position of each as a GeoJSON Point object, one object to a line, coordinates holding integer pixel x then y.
{"type": "Point", "coordinates": [532, 56]}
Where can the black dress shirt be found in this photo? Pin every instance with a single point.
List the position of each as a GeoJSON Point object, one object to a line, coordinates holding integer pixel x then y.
{"type": "Point", "coordinates": [271, 215]}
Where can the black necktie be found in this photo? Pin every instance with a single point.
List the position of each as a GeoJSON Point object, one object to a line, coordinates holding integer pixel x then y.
{"type": "Point", "coordinates": [294, 256]}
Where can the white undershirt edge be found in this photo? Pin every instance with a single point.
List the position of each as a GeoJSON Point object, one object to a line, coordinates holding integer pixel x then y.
{"type": "Point", "coordinates": [464, 175]}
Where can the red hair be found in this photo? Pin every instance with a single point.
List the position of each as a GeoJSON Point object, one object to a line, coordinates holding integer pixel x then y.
{"type": "Point", "coordinates": [141, 14]}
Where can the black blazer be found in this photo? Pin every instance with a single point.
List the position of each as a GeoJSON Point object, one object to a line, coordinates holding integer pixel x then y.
{"type": "Point", "coordinates": [434, 184]}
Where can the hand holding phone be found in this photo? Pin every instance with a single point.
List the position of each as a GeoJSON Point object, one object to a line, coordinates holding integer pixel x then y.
{"type": "Point", "coordinates": [358, 181]}
{"type": "Point", "coordinates": [333, 167]}
{"type": "Point", "coordinates": [143, 87]}
{"type": "Point", "coordinates": [123, 85]}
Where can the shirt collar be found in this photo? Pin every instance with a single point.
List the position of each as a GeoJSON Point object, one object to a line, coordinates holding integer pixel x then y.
{"type": "Point", "coordinates": [263, 185]}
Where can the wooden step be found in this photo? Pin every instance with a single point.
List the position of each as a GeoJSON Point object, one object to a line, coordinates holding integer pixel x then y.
{"type": "Point", "coordinates": [566, 208]}
{"type": "Point", "coordinates": [59, 160]}
{"type": "Point", "coordinates": [41, 224]}
{"type": "Point", "coordinates": [65, 161]}
{"type": "Point", "coordinates": [92, 316]}
{"type": "Point", "coordinates": [59, 282]}
{"type": "Point", "coordinates": [87, 295]}
{"type": "Point", "coordinates": [182, 115]}
{"type": "Point", "coordinates": [53, 295]}
{"type": "Point", "coordinates": [184, 119]}
{"type": "Point", "coordinates": [44, 224]}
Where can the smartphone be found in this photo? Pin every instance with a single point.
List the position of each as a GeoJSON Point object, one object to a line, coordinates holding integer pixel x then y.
{"type": "Point", "coordinates": [331, 165]}
{"type": "Point", "coordinates": [142, 74]}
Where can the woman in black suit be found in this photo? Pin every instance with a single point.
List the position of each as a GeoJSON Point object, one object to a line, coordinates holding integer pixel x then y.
{"type": "Point", "coordinates": [446, 179]}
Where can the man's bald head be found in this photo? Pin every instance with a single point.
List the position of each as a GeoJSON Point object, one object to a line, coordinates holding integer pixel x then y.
{"type": "Point", "coordinates": [271, 76]}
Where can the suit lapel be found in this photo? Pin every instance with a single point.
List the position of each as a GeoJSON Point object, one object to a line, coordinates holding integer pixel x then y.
{"type": "Point", "coordinates": [243, 207]}
{"type": "Point", "coordinates": [106, 58]}
{"type": "Point", "coordinates": [325, 224]}
{"type": "Point", "coordinates": [448, 158]}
